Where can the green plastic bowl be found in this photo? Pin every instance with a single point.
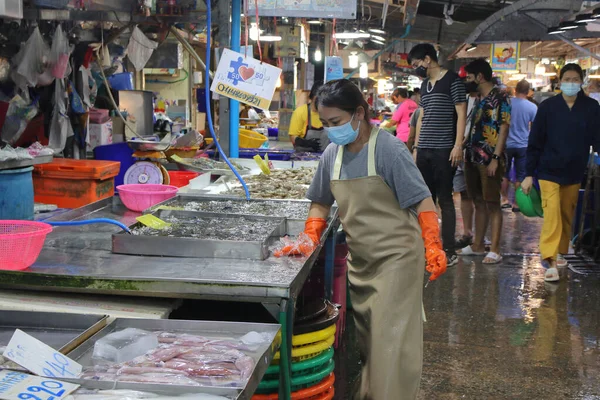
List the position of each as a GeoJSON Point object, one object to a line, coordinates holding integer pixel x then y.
{"type": "Point", "coordinates": [530, 205]}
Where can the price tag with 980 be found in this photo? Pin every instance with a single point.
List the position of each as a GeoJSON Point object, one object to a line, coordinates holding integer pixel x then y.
{"type": "Point", "coordinates": [19, 386]}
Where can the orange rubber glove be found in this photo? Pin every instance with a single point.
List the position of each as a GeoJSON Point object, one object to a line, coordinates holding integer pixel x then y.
{"type": "Point", "coordinates": [434, 253]}
{"type": "Point", "coordinates": [313, 230]}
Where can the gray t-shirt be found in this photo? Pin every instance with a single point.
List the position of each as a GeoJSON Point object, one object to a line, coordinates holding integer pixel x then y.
{"type": "Point", "coordinates": [393, 162]}
{"type": "Point", "coordinates": [414, 120]}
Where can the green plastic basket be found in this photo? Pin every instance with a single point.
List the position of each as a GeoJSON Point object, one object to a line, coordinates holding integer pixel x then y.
{"type": "Point", "coordinates": [302, 368]}
{"type": "Point", "coordinates": [298, 382]}
{"type": "Point", "coordinates": [529, 204]}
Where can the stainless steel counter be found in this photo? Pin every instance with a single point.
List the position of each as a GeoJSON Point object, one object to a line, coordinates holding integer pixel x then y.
{"type": "Point", "coordinates": [79, 259]}
{"type": "Point", "coordinates": [10, 164]}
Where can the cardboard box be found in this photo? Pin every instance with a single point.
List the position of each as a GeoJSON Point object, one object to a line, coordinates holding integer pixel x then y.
{"type": "Point", "coordinates": [100, 134]}
{"type": "Point", "coordinates": [200, 121]}
{"type": "Point", "coordinates": [120, 132]}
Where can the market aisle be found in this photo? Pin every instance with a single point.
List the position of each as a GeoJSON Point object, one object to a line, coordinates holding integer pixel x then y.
{"type": "Point", "coordinates": [500, 332]}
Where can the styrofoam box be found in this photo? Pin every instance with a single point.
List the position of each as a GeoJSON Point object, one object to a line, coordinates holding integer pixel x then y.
{"type": "Point", "coordinates": [11, 8]}
{"type": "Point", "coordinates": [100, 134]}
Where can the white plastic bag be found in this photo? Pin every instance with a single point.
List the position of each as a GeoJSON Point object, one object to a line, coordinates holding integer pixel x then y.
{"type": "Point", "coordinates": [140, 49]}
{"type": "Point", "coordinates": [32, 59]}
{"type": "Point", "coordinates": [59, 54]}
{"type": "Point", "coordinates": [18, 115]}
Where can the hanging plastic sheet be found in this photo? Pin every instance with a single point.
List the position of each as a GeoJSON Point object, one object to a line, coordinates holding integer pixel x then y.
{"type": "Point", "coordinates": [89, 87]}
{"type": "Point", "coordinates": [140, 49]}
{"type": "Point", "coordinates": [60, 125]}
{"type": "Point", "coordinates": [31, 61]}
{"type": "Point", "coordinates": [59, 54]}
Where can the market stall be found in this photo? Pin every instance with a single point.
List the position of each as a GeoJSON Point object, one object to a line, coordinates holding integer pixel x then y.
{"type": "Point", "coordinates": [197, 359]}
{"type": "Point", "coordinates": [124, 83]}
{"type": "Point", "coordinates": [80, 259]}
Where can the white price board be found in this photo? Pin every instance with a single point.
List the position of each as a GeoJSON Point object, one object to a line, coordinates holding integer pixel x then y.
{"type": "Point", "coordinates": [340, 9]}
{"type": "Point", "coordinates": [245, 79]}
{"type": "Point", "coordinates": [40, 358]}
{"type": "Point", "coordinates": [19, 386]}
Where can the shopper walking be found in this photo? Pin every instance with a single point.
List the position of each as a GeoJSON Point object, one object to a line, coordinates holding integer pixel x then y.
{"type": "Point", "coordinates": [467, 207]}
{"type": "Point", "coordinates": [564, 129]}
{"type": "Point", "coordinates": [306, 131]}
{"type": "Point", "coordinates": [389, 218]}
{"type": "Point", "coordinates": [485, 161]}
{"type": "Point", "coordinates": [439, 136]}
{"type": "Point", "coordinates": [401, 117]}
{"type": "Point", "coordinates": [522, 115]}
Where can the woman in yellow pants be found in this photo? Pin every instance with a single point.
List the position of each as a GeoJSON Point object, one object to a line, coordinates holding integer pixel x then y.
{"type": "Point", "coordinates": [564, 129]}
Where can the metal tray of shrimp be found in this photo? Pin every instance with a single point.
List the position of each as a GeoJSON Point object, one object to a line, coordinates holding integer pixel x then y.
{"type": "Point", "coordinates": [292, 227]}
{"type": "Point", "coordinates": [203, 235]}
{"type": "Point", "coordinates": [148, 145]}
{"type": "Point", "coordinates": [295, 211]}
{"type": "Point", "coordinates": [261, 352]}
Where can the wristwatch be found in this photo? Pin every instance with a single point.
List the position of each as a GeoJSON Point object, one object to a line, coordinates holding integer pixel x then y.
{"type": "Point", "coordinates": [495, 156]}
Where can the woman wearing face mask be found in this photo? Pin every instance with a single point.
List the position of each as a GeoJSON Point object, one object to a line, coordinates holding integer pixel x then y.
{"type": "Point", "coordinates": [389, 218]}
{"type": "Point", "coordinates": [559, 148]}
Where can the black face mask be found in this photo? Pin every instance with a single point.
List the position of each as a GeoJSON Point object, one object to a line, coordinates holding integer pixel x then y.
{"type": "Point", "coordinates": [421, 72]}
{"type": "Point", "coordinates": [471, 87]}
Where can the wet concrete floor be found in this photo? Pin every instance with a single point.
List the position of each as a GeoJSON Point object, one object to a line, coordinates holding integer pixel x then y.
{"type": "Point", "coordinates": [501, 332]}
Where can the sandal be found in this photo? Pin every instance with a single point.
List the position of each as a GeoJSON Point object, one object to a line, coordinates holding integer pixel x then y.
{"type": "Point", "coordinates": [495, 257]}
{"type": "Point", "coordinates": [468, 251]}
{"type": "Point", "coordinates": [551, 275]}
{"type": "Point", "coordinates": [464, 241]}
{"type": "Point", "coordinates": [561, 262]}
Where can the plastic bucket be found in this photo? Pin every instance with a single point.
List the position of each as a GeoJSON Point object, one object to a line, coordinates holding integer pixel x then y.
{"type": "Point", "coordinates": [16, 194]}
{"type": "Point", "coordinates": [182, 178]}
{"type": "Point", "coordinates": [122, 81]}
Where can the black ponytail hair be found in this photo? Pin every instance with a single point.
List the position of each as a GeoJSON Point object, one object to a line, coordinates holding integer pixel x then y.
{"type": "Point", "coordinates": [314, 90]}
{"type": "Point", "coordinates": [344, 95]}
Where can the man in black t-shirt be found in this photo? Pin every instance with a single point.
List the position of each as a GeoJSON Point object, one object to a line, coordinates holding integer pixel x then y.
{"type": "Point", "coordinates": [440, 132]}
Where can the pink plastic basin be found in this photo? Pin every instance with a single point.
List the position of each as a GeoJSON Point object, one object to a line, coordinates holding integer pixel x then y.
{"type": "Point", "coordinates": [21, 243]}
{"type": "Point", "coordinates": [138, 197]}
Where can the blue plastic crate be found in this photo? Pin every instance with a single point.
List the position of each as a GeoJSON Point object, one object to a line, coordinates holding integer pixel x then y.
{"type": "Point", "coordinates": [116, 152]}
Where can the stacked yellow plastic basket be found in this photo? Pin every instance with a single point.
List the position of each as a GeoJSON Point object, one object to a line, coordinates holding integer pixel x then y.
{"type": "Point", "coordinates": [312, 368]}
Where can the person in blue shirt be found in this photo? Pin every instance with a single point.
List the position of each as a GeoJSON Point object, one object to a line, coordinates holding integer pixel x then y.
{"type": "Point", "coordinates": [522, 115]}
{"type": "Point", "coordinates": [565, 128]}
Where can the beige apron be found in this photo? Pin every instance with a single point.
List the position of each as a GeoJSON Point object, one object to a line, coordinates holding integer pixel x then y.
{"type": "Point", "coordinates": [385, 271]}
